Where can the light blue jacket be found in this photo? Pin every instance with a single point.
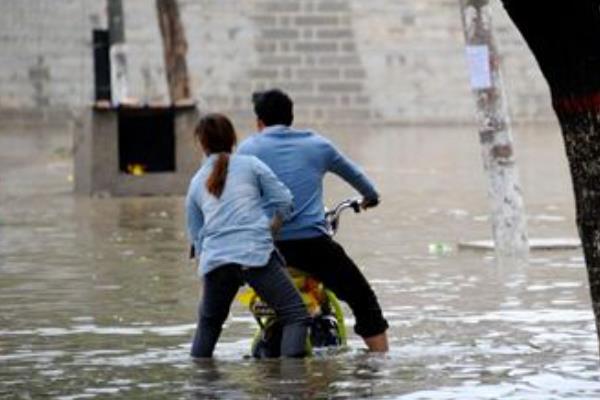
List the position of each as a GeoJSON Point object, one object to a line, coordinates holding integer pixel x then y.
{"type": "Point", "coordinates": [235, 228]}
{"type": "Point", "coordinates": [301, 159]}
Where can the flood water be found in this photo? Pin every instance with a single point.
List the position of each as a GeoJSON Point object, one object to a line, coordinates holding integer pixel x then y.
{"type": "Point", "coordinates": [98, 300]}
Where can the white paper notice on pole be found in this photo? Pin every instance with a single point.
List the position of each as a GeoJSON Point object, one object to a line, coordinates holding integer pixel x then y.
{"type": "Point", "coordinates": [478, 58]}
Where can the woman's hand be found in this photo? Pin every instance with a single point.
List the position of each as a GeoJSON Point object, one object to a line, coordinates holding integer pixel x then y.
{"type": "Point", "coordinates": [276, 224]}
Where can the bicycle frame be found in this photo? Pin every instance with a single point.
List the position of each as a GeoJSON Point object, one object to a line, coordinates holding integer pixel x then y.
{"type": "Point", "coordinates": [321, 302]}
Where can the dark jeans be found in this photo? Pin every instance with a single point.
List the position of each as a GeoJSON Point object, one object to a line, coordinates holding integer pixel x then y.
{"type": "Point", "coordinates": [327, 261]}
{"type": "Point", "coordinates": [273, 285]}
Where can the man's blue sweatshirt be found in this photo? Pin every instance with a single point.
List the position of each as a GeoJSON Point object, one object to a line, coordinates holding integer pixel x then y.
{"type": "Point", "coordinates": [300, 159]}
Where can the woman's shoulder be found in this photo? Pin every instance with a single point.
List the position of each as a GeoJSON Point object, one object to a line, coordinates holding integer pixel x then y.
{"type": "Point", "coordinates": [248, 163]}
{"type": "Point", "coordinates": [204, 169]}
{"type": "Point", "coordinates": [244, 159]}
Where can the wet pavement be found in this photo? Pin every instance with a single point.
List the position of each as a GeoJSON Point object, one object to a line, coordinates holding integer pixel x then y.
{"type": "Point", "coordinates": [98, 300]}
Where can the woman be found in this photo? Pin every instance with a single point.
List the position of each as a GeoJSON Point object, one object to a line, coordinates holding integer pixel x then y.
{"type": "Point", "coordinates": [228, 227]}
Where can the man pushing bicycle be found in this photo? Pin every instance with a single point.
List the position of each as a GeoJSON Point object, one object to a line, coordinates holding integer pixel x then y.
{"type": "Point", "coordinates": [300, 159]}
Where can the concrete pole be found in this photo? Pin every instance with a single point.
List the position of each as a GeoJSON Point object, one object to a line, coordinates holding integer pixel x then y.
{"type": "Point", "coordinates": [509, 226]}
{"type": "Point", "coordinates": [118, 51]}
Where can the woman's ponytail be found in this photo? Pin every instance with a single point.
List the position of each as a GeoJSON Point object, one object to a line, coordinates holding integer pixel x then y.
{"type": "Point", "coordinates": [215, 184]}
{"type": "Point", "coordinates": [217, 136]}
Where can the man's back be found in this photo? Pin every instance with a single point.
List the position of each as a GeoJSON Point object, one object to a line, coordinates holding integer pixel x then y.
{"type": "Point", "coordinates": [300, 159]}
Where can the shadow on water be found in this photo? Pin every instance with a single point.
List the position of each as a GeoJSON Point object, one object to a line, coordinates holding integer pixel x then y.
{"type": "Point", "coordinates": [97, 298]}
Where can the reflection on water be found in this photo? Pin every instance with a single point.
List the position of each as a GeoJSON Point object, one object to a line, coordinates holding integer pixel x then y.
{"type": "Point", "coordinates": [97, 298]}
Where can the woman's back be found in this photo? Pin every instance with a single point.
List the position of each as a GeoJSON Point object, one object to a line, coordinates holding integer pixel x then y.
{"type": "Point", "coordinates": [239, 207]}
{"type": "Point", "coordinates": [234, 227]}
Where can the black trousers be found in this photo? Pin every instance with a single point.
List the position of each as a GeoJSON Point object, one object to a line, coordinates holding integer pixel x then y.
{"type": "Point", "coordinates": [272, 283]}
{"type": "Point", "coordinates": [327, 261]}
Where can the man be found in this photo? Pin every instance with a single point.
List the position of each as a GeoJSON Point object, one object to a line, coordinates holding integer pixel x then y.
{"type": "Point", "coordinates": [300, 159]}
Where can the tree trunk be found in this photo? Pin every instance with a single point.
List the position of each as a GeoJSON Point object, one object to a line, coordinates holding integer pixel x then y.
{"type": "Point", "coordinates": [118, 51]}
{"type": "Point", "coordinates": [509, 227]}
{"type": "Point", "coordinates": [175, 49]}
{"type": "Point", "coordinates": [564, 40]}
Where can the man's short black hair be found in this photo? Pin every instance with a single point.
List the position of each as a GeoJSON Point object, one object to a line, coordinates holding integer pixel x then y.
{"type": "Point", "coordinates": [273, 107]}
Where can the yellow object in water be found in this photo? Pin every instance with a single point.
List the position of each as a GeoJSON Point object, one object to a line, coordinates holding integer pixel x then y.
{"type": "Point", "coordinates": [136, 169]}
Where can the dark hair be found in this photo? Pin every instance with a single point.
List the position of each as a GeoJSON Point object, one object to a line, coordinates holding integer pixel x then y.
{"type": "Point", "coordinates": [273, 107]}
{"type": "Point", "coordinates": [216, 135]}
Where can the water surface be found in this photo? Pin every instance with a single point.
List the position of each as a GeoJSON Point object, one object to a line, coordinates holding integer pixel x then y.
{"type": "Point", "coordinates": [98, 300]}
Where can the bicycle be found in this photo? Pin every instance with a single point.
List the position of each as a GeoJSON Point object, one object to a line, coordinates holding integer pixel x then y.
{"type": "Point", "coordinates": [327, 329]}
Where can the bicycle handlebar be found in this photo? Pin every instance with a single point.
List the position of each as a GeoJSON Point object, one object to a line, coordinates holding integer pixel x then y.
{"type": "Point", "coordinates": [333, 216]}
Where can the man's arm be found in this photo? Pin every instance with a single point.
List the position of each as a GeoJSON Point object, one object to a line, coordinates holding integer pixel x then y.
{"type": "Point", "coordinates": [345, 168]}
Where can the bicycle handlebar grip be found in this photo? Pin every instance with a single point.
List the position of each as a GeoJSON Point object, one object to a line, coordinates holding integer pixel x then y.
{"type": "Point", "coordinates": [370, 203]}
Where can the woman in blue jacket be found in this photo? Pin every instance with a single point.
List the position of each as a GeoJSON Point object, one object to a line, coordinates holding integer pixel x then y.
{"type": "Point", "coordinates": [230, 231]}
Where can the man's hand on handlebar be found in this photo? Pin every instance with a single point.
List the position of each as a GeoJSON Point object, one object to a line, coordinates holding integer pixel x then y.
{"type": "Point", "coordinates": [369, 203]}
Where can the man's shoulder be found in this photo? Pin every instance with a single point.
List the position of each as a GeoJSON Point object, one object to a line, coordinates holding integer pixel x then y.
{"type": "Point", "coordinates": [317, 142]}
{"type": "Point", "coordinates": [319, 138]}
{"type": "Point", "coordinates": [259, 142]}
{"type": "Point", "coordinates": [310, 137]}
{"type": "Point", "coordinates": [248, 145]}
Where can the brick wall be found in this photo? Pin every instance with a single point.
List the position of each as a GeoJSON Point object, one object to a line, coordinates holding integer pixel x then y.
{"type": "Point", "coordinates": [396, 61]}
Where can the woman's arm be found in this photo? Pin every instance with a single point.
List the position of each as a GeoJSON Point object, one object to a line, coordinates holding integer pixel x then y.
{"type": "Point", "coordinates": [195, 222]}
{"type": "Point", "coordinates": [276, 224]}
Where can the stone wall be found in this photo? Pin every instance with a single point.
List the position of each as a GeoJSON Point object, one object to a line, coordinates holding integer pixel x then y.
{"type": "Point", "coordinates": [395, 61]}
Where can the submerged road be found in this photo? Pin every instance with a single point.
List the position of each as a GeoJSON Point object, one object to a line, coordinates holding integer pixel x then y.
{"type": "Point", "coordinates": [97, 298]}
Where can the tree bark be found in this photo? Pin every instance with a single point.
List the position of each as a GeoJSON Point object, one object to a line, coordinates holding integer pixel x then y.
{"type": "Point", "coordinates": [563, 37]}
{"type": "Point", "coordinates": [509, 227]}
{"type": "Point", "coordinates": [175, 49]}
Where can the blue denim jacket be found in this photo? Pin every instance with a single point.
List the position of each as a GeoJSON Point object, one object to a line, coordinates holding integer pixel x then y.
{"type": "Point", "coordinates": [235, 228]}
{"type": "Point", "coordinates": [301, 159]}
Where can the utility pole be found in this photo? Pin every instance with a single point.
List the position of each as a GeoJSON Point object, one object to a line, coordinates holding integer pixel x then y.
{"type": "Point", "coordinates": [509, 227]}
{"type": "Point", "coordinates": [175, 50]}
{"type": "Point", "coordinates": [118, 51]}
